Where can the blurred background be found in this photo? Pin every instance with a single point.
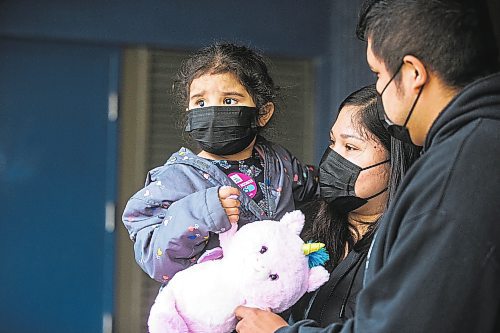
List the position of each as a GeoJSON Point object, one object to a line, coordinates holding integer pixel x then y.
{"type": "Point", "coordinates": [86, 110]}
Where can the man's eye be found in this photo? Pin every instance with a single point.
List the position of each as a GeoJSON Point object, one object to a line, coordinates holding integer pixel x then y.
{"type": "Point", "coordinates": [230, 101]}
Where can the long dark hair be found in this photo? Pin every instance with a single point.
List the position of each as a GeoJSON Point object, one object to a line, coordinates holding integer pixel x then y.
{"type": "Point", "coordinates": [331, 226]}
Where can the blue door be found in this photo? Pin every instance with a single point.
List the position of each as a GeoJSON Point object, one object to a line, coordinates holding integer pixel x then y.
{"type": "Point", "coordinates": [57, 186]}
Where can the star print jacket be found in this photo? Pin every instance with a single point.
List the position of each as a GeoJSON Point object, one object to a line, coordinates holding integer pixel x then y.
{"type": "Point", "coordinates": [177, 215]}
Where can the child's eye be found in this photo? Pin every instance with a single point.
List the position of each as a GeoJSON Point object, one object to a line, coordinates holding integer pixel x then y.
{"type": "Point", "coordinates": [263, 249]}
{"type": "Point", "coordinates": [274, 276]}
{"type": "Point", "coordinates": [230, 101]}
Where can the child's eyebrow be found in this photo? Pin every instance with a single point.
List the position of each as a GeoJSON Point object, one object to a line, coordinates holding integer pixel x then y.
{"type": "Point", "coordinates": [234, 93]}
{"type": "Point", "coordinates": [196, 95]}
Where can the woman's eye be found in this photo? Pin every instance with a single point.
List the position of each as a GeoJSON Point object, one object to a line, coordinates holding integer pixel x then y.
{"type": "Point", "coordinates": [263, 249]}
{"type": "Point", "coordinates": [230, 101]}
{"type": "Point", "coordinates": [200, 103]}
{"type": "Point", "coordinates": [274, 277]}
{"type": "Point", "coordinates": [350, 147]}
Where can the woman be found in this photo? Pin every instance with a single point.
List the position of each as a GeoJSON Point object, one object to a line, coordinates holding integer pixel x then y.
{"type": "Point", "coordinates": [359, 173]}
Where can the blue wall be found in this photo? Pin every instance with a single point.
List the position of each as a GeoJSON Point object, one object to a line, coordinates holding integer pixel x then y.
{"type": "Point", "coordinates": [57, 161]}
{"type": "Point", "coordinates": [288, 27]}
{"type": "Point", "coordinates": [345, 64]}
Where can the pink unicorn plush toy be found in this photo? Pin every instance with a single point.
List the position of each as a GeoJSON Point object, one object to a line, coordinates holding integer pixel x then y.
{"type": "Point", "coordinates": [264, 265]}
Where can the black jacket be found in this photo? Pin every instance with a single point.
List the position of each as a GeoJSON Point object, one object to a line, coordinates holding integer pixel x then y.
{"type": "Point", "coordinates": [434, 265]}
{"type": "Point", "coordinates": [335, 301]}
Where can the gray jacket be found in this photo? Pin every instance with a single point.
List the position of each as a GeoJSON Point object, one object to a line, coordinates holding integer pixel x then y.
{"type": "Point", "coordinates": [177, 215]}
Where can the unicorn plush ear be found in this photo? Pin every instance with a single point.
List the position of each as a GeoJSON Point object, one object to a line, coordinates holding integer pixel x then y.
{"type": "Point", "coordinates": [294, 220]}
{"type": "Point", "coordinates": [317, 277]}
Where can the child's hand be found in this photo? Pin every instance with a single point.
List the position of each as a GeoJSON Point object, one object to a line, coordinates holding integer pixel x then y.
{"type": "Point", "coordinates": [228, 197]}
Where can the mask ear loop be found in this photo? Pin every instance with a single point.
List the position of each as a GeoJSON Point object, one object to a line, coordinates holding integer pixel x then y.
{"type": "Point", "coordinates": [413, 106]}
{"type": "Point", "coordinates": [377, 194]}
{"type": "Point", "coordinates": [385, 189]}
{"type": "Point", "coordinates": [377, 164]}
{"type": "Point", "coordinates": [383, 90]}
{"type": "Point", "coordinates": [392, 78]}
{"type": "Point", "coordinates": [254, 123]}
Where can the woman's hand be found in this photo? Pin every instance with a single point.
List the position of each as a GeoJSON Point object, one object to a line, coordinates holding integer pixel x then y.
{"type": "Point", "coordinates": [228, 197]}
{"type": "Point", "coordinates": [253, 320]}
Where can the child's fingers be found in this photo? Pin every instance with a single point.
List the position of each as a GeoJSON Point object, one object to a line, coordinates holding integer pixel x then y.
{"type": "Point", "coordinates": [227, 191]}
{"type": "Point", "coordinates": [233, 218]}
{"type": "Point", "coordinates": [228, 197]}
{"type": "Point", "coordinates": [230, 203]}
{"type": "Point", "coordinates": [232, 211]}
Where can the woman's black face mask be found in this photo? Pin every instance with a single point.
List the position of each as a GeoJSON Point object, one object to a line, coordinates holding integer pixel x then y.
{"type": "Point", "coordinates": [337, 177]}
{"type": "Point", "coordinates": [223, 130]}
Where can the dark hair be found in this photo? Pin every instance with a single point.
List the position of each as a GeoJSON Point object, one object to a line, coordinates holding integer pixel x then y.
{"type": "Point", "coordinates": [453, 38]}
{"type": "Point", "coordinates": [331, 226]}
{"type": "Point", "coordinates": [248, 66]}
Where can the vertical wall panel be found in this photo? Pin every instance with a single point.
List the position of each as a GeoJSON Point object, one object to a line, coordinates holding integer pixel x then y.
{"type": "Point", "coordinates": [345, 66]}
{"type": "Point", "coordinates": [55, 179]}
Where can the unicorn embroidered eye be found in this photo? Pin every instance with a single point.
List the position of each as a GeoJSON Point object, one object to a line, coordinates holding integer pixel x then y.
{"type": "Point", "coordinates": [273, 276]}
{"type": "Point", "coordinates": [263, 249]}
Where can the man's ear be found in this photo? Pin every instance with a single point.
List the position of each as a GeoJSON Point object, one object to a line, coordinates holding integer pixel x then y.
{"type": "Point", "coordinates": [267, 113]}
{"type": "Point", "coordinates": [416, 71]}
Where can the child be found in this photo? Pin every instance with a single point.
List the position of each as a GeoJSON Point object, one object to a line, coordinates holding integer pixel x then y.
{"type": "Point", "coordinates": [238, 177]}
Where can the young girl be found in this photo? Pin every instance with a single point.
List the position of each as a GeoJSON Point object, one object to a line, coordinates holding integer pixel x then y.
{"type": "Point", "coordinates": [238, 177]}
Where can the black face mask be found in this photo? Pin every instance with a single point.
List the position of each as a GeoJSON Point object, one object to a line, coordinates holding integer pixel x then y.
{"type": "Point", "coordinates": [399, 132]}
{"type": "Point", "coordinates": [223, 130]}
{"type": "Point", "coordinates": [337, 177]}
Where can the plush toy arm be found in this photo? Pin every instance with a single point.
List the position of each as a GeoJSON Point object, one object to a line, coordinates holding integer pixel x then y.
{"type": "Point", "coordinates": [225, 237]}
{"type": "Point", "coordinates": [164, 316]}
{"type": "Point", "coordinates": [317, 277]}
{"type": "Point", "coordinates": [213, 254]}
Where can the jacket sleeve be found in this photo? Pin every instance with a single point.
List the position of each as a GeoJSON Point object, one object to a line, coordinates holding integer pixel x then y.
{"type": "Point", "coordinates": [305, 181]}
{"type": "Point", "coordinates": [170, 235]}
{"type": "Point", "coordinates": [310, 326]}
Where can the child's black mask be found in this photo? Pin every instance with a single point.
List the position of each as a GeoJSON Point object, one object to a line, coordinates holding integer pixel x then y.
{"type": "Point", "coordinates": [223, 130]}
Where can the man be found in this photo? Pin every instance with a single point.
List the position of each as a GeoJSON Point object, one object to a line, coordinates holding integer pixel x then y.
{"type": "Point", "coordinates": [434, 265]}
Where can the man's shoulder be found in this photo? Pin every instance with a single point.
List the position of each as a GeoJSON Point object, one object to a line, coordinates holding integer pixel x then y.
{"type": "Point", "coordinates": [450, 172]}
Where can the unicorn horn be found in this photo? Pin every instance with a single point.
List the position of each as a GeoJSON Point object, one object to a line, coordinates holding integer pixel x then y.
{"type": "Point", "coordinates": [309, 248]}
